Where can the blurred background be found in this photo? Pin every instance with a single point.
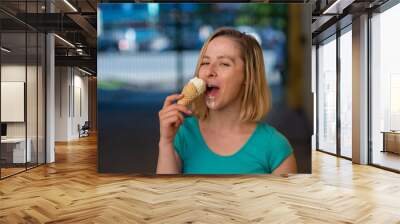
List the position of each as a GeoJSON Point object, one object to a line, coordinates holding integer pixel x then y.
{"type": "Point", "coordinates": [149, 51]}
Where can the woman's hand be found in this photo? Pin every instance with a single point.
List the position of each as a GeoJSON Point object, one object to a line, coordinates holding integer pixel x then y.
{"type": "Point", "coordinates": [171, 118]}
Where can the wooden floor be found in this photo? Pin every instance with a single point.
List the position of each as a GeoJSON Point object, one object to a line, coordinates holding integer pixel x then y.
{"type": "Point", "coordinates": [9, 171]}
{"type": "Point", "coordinates": [71, 191]}
{"type": "Point", "coordinates": [5, 172]}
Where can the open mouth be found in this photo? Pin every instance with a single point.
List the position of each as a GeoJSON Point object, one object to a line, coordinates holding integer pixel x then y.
{"type": "Point", "coordinates": [212, 90]}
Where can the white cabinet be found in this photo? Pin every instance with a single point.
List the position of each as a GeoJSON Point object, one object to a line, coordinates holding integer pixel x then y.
{"type": "Point", "coordinates": [18, 149]}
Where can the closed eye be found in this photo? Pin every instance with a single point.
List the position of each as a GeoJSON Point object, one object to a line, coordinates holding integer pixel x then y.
{"type": "Point", "coordinates": [204, 63]}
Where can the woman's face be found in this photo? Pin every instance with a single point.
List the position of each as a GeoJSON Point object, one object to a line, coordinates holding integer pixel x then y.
{"type": "Point", "coordinates": [223, 70]}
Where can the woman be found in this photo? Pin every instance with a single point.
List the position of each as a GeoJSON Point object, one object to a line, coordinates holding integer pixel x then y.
{"type": "Point", "coordinates": [224, 134]}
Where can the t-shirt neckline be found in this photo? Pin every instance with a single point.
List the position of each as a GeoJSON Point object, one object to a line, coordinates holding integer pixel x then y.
{"type": "Point", "coordinates": [225, 156]}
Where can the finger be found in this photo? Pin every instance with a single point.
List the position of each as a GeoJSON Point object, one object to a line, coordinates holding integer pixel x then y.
{"type": "Point", "coordinates": [169, 113]}
{"type": "Point", "coordinates": [173, 121]}
{"type": "Point", "coordinates": [178, 107]}
{"type": "Point", "coordinates": [166, 119]}
{"type": "Point", "coordinates": [177, 124]}
{"type": "Point", "coordinates": [175, 107]}
{"type": "Point", "coordinates": [170, 99]}
{"type": "Point", "coordinates": [172, 114]}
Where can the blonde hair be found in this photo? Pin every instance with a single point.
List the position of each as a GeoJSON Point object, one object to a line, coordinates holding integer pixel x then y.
{"type": "Point", "coordinates": [256, 99]}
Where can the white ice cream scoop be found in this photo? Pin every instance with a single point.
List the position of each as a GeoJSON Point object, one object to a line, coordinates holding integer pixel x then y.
{"type": "Point", "coordinates": [194, 88]}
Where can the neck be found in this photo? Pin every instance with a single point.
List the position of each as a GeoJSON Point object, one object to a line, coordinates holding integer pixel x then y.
{"type": "Point", "coordinates": [227, 119]}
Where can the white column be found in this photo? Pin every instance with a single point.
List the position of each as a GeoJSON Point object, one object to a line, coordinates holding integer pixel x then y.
{"type": "Point", "coordinates": [50, 92]}
{"type": "Point", "coordinates": [360, 90]}
{"type": "Point", "coordinates": [50, 99]}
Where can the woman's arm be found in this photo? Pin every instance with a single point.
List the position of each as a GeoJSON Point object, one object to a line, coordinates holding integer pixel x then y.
{"type": "Point", "coordinates": [170, 119]}
{"type": "Point", "coordinates": [168, 160]}
{"type": "Point", "coordinates": [287, 166]}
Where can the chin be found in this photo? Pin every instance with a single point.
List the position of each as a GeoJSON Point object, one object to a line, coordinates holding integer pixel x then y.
{"type": "Point", "coordinates": [215, 105]}
{"type": "Point", "coordinates": [212, 105]}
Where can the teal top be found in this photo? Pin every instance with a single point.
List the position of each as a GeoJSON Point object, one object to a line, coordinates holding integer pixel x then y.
{"type": "Point", "coordinates": [263, 152]}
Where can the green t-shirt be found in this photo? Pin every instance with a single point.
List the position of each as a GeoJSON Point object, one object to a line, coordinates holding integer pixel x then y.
{"type": "Point", "coordinates": [263, 152]}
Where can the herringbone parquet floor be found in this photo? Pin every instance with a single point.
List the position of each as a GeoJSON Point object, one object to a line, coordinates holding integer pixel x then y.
{"type": "Point", "coordinates": [71, 191]}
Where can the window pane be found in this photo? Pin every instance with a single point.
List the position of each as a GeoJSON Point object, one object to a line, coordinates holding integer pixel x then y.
{"type": "Point", "coordinates": [327, 97]}
{"type": "Point", "coordinates": [386, 89]}
{"type": "Point", "coordinates": [345, 94]}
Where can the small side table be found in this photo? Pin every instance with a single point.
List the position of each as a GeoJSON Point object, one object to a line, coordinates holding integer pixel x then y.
{"type": "Point", "coordinates": [391, 141]}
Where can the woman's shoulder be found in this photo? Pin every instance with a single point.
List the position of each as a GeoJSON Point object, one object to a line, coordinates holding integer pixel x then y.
{"type": "Point", "coordinates": [268, 129]}
{"type": "Point", "coordinates": [272, 134]}
{"type": "Point", "coordinates": [276, 144]}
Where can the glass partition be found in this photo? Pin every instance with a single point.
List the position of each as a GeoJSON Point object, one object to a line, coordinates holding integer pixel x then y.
{"type": "Point", "coordinates": [13, 108]}
{"type": "Point", "coordinates": [31, 100]}
{"type": "Point", "coordinates": [22, 91]}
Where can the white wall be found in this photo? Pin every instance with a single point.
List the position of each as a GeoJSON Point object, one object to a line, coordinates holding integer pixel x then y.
{"type": "Point", "coordinates": [71, 94]}
{"type": "Point", "coordinates": [81, 104]}
{"type": "Point", "coordinates": [13, 73]}
{"type": "Point", "coordinates": [61, 103]}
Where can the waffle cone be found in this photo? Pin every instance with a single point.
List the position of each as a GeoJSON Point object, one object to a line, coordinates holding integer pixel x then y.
{"type": "Point", "coordinates": [189, 94]}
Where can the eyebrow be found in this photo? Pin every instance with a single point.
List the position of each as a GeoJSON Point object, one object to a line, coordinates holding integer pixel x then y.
{"type": "Point", "coordinates": [222, 56]}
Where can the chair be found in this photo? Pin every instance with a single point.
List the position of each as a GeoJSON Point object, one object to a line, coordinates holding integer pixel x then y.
{"type": "Point", "coordinates": [84, 130]}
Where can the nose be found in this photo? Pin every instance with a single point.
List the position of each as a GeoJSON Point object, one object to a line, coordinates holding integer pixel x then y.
{"type": "Point", "coordinates": [211, 71]}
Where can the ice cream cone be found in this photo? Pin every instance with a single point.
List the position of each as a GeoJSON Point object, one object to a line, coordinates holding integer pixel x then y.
{"type": "Point", "coordinates": [193, 89]}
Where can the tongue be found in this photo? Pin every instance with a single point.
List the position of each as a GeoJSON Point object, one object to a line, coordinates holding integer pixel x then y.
{"type": "Point", "coordinates": [213, 91]}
